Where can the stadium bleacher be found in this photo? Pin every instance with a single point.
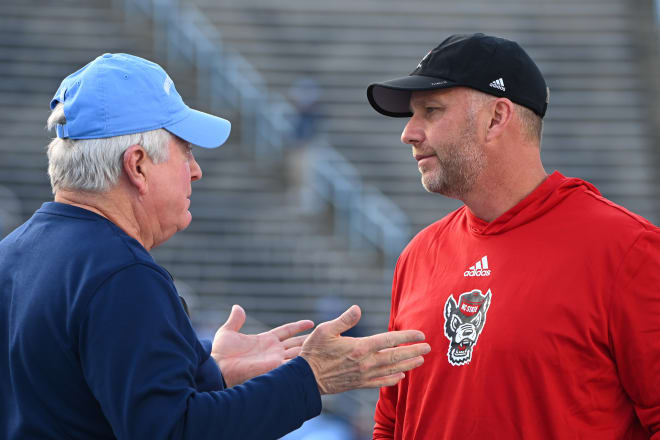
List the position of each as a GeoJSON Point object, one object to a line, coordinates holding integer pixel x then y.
{"type": "Point", "coordinates": [251, 242]}
{"type": "Point", "coordinates": [598, 126]}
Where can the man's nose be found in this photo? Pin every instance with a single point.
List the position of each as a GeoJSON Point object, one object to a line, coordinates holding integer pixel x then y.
{"type": "Point", "coordinates": [412, 133]}
{"type": "Point", "coordinates": [195, 170]}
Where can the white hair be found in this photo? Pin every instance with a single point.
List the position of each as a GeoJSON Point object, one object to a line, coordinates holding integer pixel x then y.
{"type": "Point", "coordinates": [95, 165]}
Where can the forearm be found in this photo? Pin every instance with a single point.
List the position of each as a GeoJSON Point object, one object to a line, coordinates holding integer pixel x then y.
{"type": "Point", "coordinates": [153, 379]}
{"type": "Point", "coordinates": [266, 407]}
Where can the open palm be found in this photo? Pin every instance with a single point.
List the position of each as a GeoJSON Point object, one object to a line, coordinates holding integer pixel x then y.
{"type": "Point", "coordinates": [242, 357]}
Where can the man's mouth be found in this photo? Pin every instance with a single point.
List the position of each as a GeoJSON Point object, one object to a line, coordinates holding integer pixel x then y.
{"type": "Point", "coordinates": [425, 161]}
{"type": "Point", "coordinates": [419, 157]}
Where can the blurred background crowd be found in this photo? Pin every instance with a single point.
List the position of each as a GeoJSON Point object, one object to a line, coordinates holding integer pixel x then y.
{"type": "Point", "coordinates": [305, 209]}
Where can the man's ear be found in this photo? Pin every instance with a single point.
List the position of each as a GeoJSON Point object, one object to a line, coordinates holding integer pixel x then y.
{"type": "Point", "coordinates": [135, 162]}
{"type": "Point", "coordinates": [500, 117]}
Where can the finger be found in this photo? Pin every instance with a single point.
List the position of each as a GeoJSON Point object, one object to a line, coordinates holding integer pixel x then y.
{"type": "Point", "coordinates": [285, 331]}
{"type": "Point", "coordinates": [400, 367]}
{"type": "Point", "coordinates": [291, 353]}
{"type": "Point", "coordinates": [391, 356]}
{"type": "Point", "coordinates": [344, 322]}
{"type": "Point", "coordinates": [236, 319]}
{"type": "Point", "coordinates": [392, 339]}
{"type": "Point", "coordinates": [294, 342]}
{"type": "Point", "coordinates": [385, 381]}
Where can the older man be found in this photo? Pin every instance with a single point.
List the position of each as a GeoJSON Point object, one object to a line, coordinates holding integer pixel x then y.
{"type": "Point", "coordinates": [94, 341]}
{"type": "Point", "coordinates": [543, 293]}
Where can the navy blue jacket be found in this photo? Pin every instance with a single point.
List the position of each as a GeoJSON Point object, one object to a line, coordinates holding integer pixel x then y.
{"type": "Point", "coordinates": [95, 344]}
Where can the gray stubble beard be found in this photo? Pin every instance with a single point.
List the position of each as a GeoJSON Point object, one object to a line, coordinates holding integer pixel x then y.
{"type": "Point", "coordinates": [459, 167]}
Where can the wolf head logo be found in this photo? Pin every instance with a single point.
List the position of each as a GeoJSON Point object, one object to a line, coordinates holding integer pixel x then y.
{"type": "Point", "coordinates": [463, 324]}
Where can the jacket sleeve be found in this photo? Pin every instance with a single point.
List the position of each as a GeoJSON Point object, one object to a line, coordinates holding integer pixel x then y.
{"type": "Point", "coordinates": [141, 359]}
{"type": "Point", "coordinates": [208, 376]}
{"type": "Point", "coordinates": [635, 328]}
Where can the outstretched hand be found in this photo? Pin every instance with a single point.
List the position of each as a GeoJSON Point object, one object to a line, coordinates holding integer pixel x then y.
{"type": "Point", "coordinates": [242, 357]}
{"type": "Point", "coordinates": [341, 363]}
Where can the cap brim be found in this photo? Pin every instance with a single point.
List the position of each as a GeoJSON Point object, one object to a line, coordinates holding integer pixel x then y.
{"type": "Point", "coordinates": [202, 129]}
{"type": "Point", "coordinates": [392, 98]}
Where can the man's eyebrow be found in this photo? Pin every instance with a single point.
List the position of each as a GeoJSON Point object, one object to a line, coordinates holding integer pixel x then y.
{"type": "Point", "coordinates": [427, 102]}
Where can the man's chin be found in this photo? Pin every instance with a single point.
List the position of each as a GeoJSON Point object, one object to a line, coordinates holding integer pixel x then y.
{"type": "Point", "coordinates": [183, 225]}
{"type": "Point", "coordinates": [433, 185]}
{"type": "Point", "coordinates": [436, 187]}
{"type": "Point", "coordinates": [187, 222]}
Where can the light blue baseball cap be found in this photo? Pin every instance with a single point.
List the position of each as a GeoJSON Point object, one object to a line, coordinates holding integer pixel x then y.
{"type": "Point", "coordinates": [119, 94]}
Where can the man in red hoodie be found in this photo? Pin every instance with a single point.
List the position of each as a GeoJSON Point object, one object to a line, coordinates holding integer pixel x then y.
{"type": "Point", "coordinates": [540, 297]}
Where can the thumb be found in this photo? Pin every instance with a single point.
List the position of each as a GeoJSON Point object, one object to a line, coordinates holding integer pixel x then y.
{"type": "Point", "coordinates": [236, 319]}
{"type": "Point", "coordinates": [345, 321]}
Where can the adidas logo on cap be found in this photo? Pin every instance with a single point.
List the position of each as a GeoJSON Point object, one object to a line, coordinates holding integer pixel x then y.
{"type": "Point", "coordinates": [479, 269]}
{"type": "Point", "coordinates": [498, 84]}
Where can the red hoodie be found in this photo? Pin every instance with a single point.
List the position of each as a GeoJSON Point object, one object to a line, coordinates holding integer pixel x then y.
{"type": "Point", "coordinates": [544, 324]}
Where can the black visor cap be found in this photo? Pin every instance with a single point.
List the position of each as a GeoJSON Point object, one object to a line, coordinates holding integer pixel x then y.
{"type": "Point", "coordinates": [392, 98]}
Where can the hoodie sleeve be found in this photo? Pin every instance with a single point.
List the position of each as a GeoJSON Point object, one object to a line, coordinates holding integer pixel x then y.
{"type": "Point", "coordinates": [635, 328]}
{"type": "Point", "coordinates": [385, 415]}
{"type": "Point", "coordinates": [142, 359]}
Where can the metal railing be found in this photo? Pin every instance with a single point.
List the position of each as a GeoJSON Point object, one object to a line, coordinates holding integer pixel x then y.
{"type": "Point", "coordinates": [359, 209]}
{"type": "Point", "coordinates": [224, 79]}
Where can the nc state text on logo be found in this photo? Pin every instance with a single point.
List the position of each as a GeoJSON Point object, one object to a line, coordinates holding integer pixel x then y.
{"type": "Point", "coordinates": [463, 324]}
